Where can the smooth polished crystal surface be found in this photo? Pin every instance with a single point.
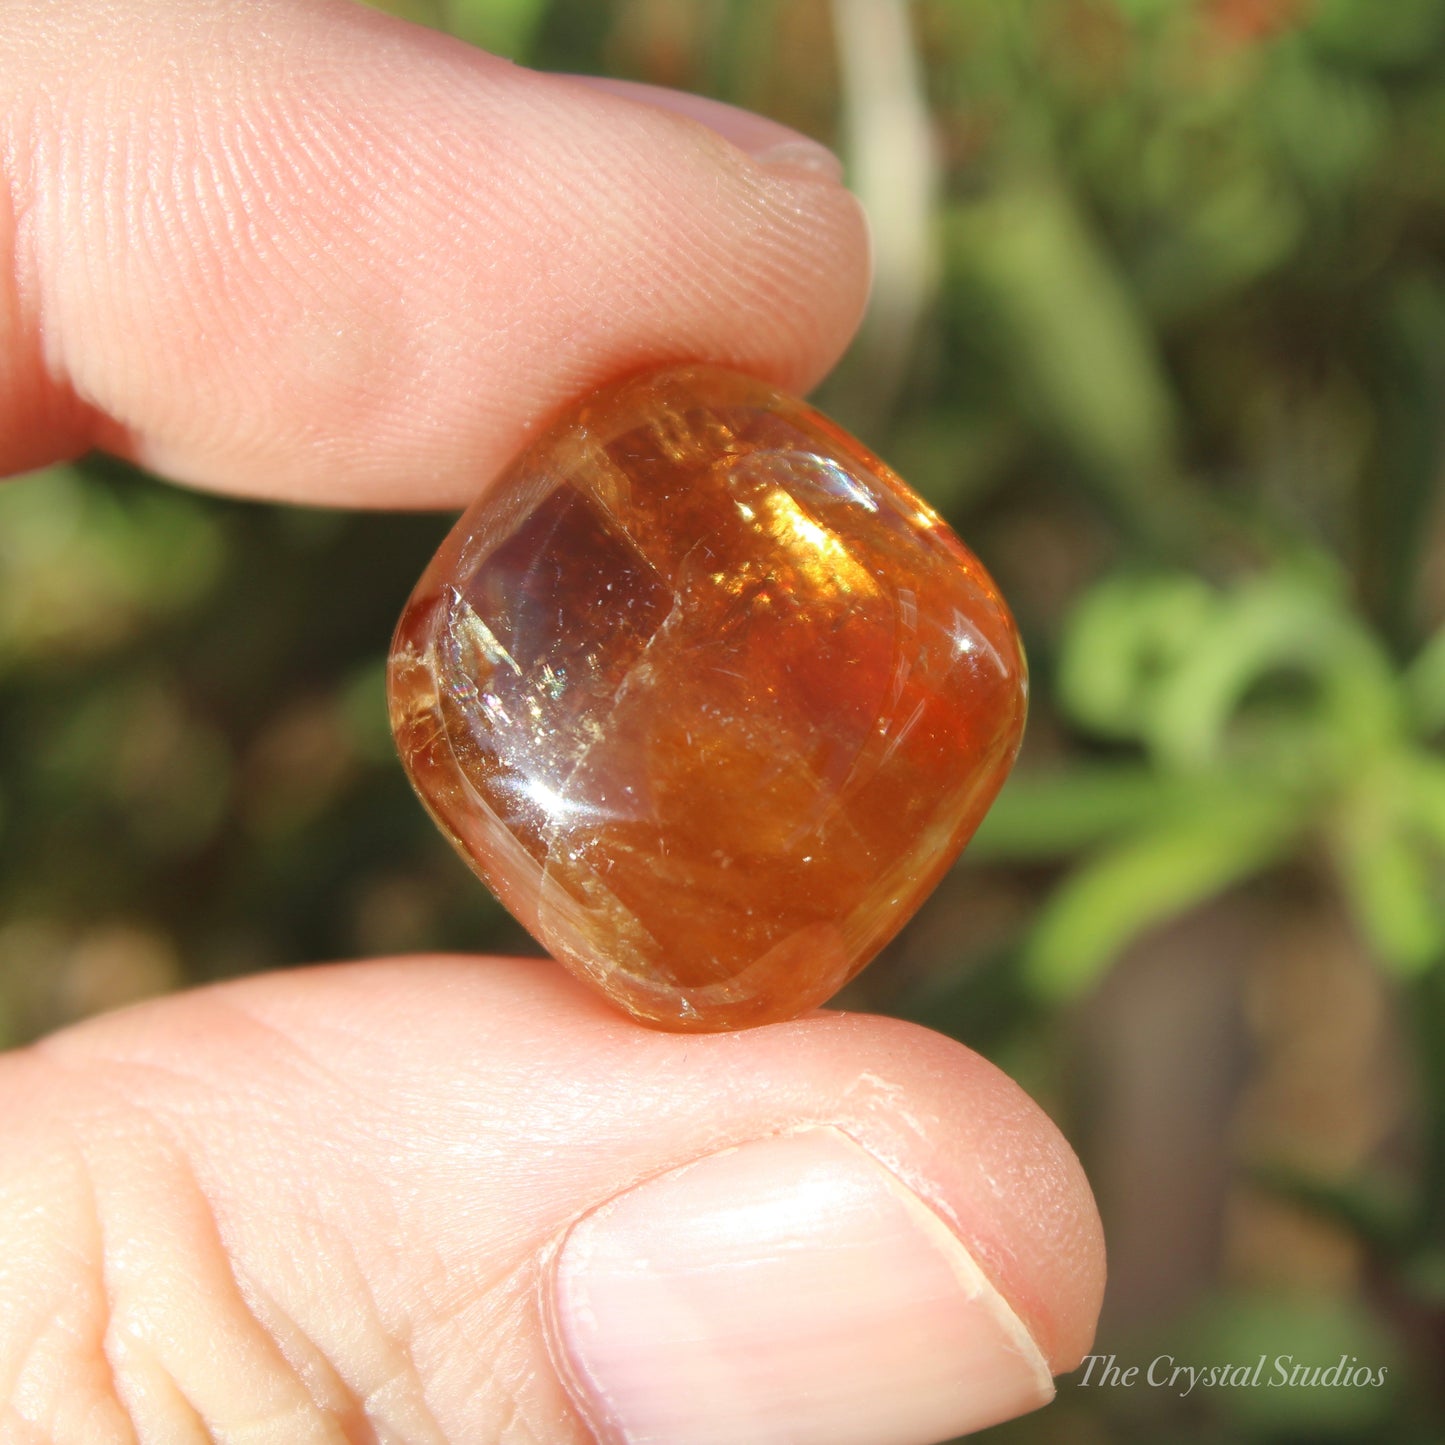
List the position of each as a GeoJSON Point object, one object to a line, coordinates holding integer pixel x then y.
{"type": "Point", "coordinates": [707, 696]}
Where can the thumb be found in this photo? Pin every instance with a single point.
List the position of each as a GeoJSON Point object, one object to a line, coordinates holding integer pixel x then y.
{"type": "Point", "coordinates": [461, 1201]}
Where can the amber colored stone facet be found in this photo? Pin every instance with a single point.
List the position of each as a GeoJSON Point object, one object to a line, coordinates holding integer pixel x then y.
{"type": "Point", "coordinates": [707, 696]}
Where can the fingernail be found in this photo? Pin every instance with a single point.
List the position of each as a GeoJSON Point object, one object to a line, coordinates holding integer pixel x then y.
{"type": "Point", "coordinates": [776, 146]}
{"type": "Point", "coordinates": [789, 1290]}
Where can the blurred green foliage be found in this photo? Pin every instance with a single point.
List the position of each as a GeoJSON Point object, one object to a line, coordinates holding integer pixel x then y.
{"type": "Point", "coordinates": [1257, 714]}
{"type": "Point", "coordinates": [1177, 370]}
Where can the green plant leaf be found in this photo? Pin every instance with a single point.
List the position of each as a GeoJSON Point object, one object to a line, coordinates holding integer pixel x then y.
{"type": "Point", "coordinates": [1040, 816]}
{"type": "Point", "coordinates": [1425, 686]}
{"type": "Point", "coordinates": [1271, 625]}
{"type": "Point", "coordinates": [1388, 838]}
{"type": "Point", "coordinates": [1074, 338]}
{"type": "Point", "coordinates": [421, 12]}
{"type": "Point", "coordinates": [1156, 874]}
{"type": "Point", "coordinates": [505, 27]}
{"type": "Point", "coordinates": [1169, 660]}
{"type": "Point", "coordinates": [1390, 887]}
{"type": "Point", "coordinates": [1124, 634]}
{"type": "Point", "coordinates": [1422, 794]}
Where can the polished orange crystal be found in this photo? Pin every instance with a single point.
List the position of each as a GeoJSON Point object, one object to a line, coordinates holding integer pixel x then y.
{"type": "Point", "coordinates": [707, 696]}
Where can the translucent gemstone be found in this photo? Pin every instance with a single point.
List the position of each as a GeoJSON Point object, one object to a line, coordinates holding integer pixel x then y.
{"type": "Point", "coordinates": [707, 696]}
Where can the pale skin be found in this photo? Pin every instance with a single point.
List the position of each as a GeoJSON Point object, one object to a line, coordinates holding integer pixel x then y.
{"type": "Point", "coordinates": [303, 252]}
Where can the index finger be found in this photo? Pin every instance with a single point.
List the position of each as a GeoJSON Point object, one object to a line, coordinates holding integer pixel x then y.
{"type": "Point", "coordinates": [296, 249]}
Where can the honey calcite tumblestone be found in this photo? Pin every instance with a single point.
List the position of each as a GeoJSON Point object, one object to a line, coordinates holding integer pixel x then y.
{"type": "Point", "coordinates": [707, 696]}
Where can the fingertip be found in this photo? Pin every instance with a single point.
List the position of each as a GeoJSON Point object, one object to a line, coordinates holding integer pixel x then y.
{"type": "Point", "coordinates": [789, 1289]}
{"type": "Point", "coordinates": [991, 1161]}
{"type": "Point", "coordinates": [361, 265]}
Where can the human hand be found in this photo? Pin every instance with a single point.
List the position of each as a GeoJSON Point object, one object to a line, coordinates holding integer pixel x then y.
{"type": "Point", "coordinates": [301, 251]}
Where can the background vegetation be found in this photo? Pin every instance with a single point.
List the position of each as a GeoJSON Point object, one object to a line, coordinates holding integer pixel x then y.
{"type": "Point", "coordinates": [1160, 325]}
